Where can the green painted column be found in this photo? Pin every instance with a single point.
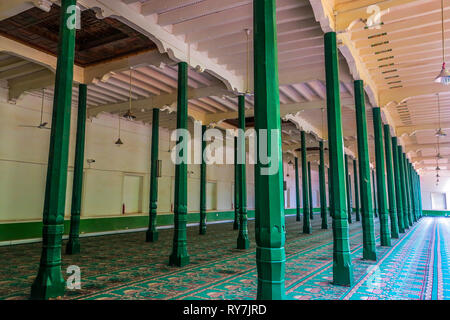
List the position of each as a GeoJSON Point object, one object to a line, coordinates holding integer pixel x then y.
{"type": "Point", "coordinates": [322, 188]}
{"type": "Point", "coordinates": [152, 233]}
{"type": "Point", "coordinates": [73, 245]}
{"type": "Point", "coordinates": [390, 182]}
{"type": "Point", "coordinates": [330, 202]}
{"type": "Point", "coordinates": [369, 244]}
{"type": "Point", "coordinates": [305, 187]}
{"type": "Point", "coordinates": [398, 187]}
{"type": "Point", "coordinates": [420, 196]}
{"type": "Point", "coordinates": [408, 194]}
{"type": "Point", "coordinates": [179, 256]}
{"type": "Point", "coordinates": [270, 231]}
{"type": "Point", "coordinates": [385, 234]}
{"type": "Point", "coordinates": [416, 194]}
{"type": "Point", "coordinates": [411, 190]}
{"type": "Point", "coordinates": [342, 264]}
{"type": "Point", "coordinates": [349, 191]}
{"type": "Point", "coordinates": [49, 282]}
{"type": "Point", "coordinates": [401, 166]}
{"type": "Point", "coordinates": [311, 206]}
{"type": "Point", "coordinates": [236, 187]}
{"type": "Point", "coordinates": [242, 241]}
{"type": "Point", "coordinates": [355, 176]}
{"type": "Point", "coordinates": [202, 227]}
{"type": "Point", "coordinates": [375, 207]}
{"type": "Point", "coordinates": [297, 190]}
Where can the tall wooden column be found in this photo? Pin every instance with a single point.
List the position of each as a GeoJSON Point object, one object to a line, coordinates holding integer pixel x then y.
{"type": "Point", "coordinates": [311, 205]}
{"type": "Point", "coordinates": [408, 194]}
{"type": "Point", "coordinates": [349, 191]}
{"type": "Point", "coordinates": [390, 182]}
{"type": "Point", "coordinates": [413, 196]}
{"type": "Point", "coordinates": [269, 205]}
{"type": "Point", "coordinates": [236, 186]}
{"type": "Point", "coordinates": [202, 227]}
{"type": "Point", "coordinates": [297, 190]}
{"type": "Point", "coordinates": [73, 245]}
{"type": "Point", "coordinates": [355, 177]}
{"type": "Point", "coordinates": [398, 186]}
{"type": "Point", "coordinates": [330, 198]}
{"type": "Point", "coordinates": [242, 241]}
{"type": "Point", "coordinates": [322, 187]}
{"type": "Point", "coordinates": [369, 245]}
{"type": "Point", "coordinates": [375, 198]}
{"type": "Point", "coordinates": [152, 233]}
{"type": "Point", "coordinates": [305, 187]}
{"type": "Point", "coordinates": [401, 166]}
{"type": "Point", "coordinates": [179, 256]}
{"type": "Point", "coordinates": [342, 264]}
{"type": "Point", "coordinates": [385, 233]}
{"type": "Point", "coordinates": [49, 282]}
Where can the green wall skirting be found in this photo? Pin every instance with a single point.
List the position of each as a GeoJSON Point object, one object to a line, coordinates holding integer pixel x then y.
{"type": "Point", "coordinates": [33, 230]}
{"type": "Point", "coordinates": [436, 213]}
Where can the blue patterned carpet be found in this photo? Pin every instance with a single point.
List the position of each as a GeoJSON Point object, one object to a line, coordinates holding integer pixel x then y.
{"type": "Point", "coordinates": [416, 266]}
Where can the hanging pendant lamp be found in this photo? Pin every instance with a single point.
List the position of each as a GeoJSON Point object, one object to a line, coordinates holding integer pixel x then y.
{"type": "Point", "coordinates": [440, 132]}
{"type": "Point", "coordinates": [444, 75]}
{"type": "Point", "coordinates": [129, 114]}
{"type": "Point", "coordinates": [119, 141]}
{"type": "Point", "coordinates": [247, 92]}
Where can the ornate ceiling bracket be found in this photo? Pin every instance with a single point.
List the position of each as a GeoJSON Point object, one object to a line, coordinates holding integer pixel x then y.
{"type": "Point", "coordinates": [303, 125]}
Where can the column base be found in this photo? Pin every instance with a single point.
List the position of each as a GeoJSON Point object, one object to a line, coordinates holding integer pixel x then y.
{"type": "Point", "coordinates": [369, 254]}
{"type": "Point", "coordinates": [178, 260]}
{"type": "Point", "coordinates": [307, 230]}
{"type": "Point", "coordinates": [202, 230]}
{"type": "Point", "coordinates": [243, 242]}
{"type": "Point", "coordinates": [270, 265]}
{"type": "Point", "coordinates": [342, 275]}
{"type": "Point", "coordinates": [324, 227]}
{"type": "Point", "coordinates": [49, 283]}
{"type": "Point", "coordinates": [385, 241]}
{"type": "Point", "coordinates": [235, 226]}
{"type": "Point", "coordinates": [151, 236]}
{"type": "Point", "coordinates": [73, 246]}
{"type": "Point", "coordinates": [297, 218]}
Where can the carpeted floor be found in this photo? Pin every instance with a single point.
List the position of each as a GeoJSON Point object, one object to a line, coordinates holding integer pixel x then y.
{"type": "Point", "coordinates": [123, 266]}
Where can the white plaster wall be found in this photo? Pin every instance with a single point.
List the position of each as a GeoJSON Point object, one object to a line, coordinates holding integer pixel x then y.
{"type": "Point", "coordinates": [24, 156]}
{"type": "Point", "coordinates": [428, 185]}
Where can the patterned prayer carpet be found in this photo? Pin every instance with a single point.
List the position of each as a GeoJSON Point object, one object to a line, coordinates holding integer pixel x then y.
{"type": "Point", "coordinates": [123, 266]}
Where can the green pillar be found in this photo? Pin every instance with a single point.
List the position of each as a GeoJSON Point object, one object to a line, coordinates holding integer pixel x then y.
{"type": "Point", "coordinates": [311, 206]}
{"type": "Point", "coordinates": [297, 190]}
{"type": "Point", "coordinates": [305, 187]}
{"type": "Point", "coordinates": [330, 198]}
{"type": "Point", "coordinates": [49, 282]}
{"type": "Point", "coordinates": [420, 196]}
{"type": "Point", "coordinates": [342, 263]}
{"type": "Point", "coordinates": [355, 176]}
{"type": "Point", "coordinates": [369, 245]}
{"type": "Point", "coordinates": [202, 227]}
{"type": "Point", "coordinates": [408, 194]}
{"type": "Point", "coordinates": [349, 191]}
{"type": "Point", "coordinates": [375, 207]}
{"type": "Point", "coordinates": [73, 245]}
{"type": "Point", "coordinates": [236, 187]}
{"type": "Point", "coordinates": [411, 190]}
{"type": "Point", "coordinates": [401, 166]}
{"type": "Point", "coordinates": [398, 187]}
{"type": "Point", "coordinates": [322, 188]}
{"type": "Point", "coordinates": [242, 241]}
{"type": "Point", "coordinates": [152, 233]}
{"type": "Point", "coordinates": [385, 233]}
{"type": "Point", "coordinates": [179, 256]}
{"type": "Point", "coordinates": [269, 205]}
{"type": "Point", "coordinates": [390, 182]}
{"type": "Point", "coordinates": [416, 196]}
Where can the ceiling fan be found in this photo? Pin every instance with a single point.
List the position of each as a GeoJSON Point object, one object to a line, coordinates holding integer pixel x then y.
{"type": "Point", "coordinates": [42, 124]}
